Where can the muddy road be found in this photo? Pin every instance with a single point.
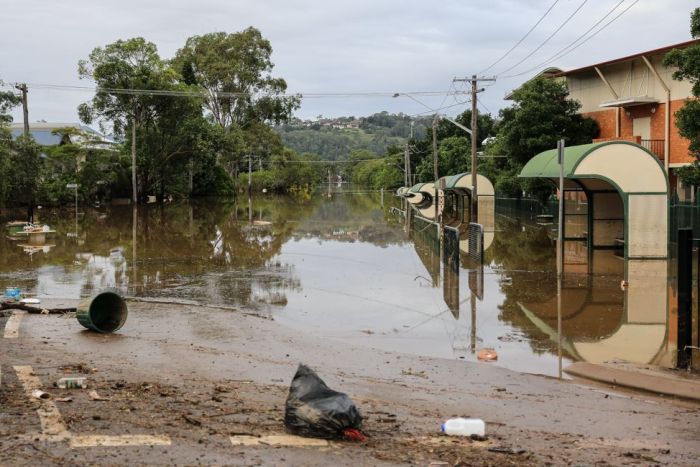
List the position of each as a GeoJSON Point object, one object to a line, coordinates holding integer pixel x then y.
{"type": "Point", "coordinates": [184, 384]}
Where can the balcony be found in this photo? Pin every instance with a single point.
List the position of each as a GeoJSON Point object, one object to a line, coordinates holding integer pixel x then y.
{"type": "Point", "coordinates": [654, 146]}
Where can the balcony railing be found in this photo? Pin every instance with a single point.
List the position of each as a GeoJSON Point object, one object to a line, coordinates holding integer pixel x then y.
{"type": "Point", "coordinates": [654, 146]}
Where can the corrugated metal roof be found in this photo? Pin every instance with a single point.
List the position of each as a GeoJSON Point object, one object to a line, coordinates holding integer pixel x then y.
{"type": "Point", "coordinates": [660, 50]}
{"type": "Point", "coordinates": [545, 164]}
{"type": "Point", "coordinates": [42, 137]}
{"type": "Point", "coordinates": [42, 132]}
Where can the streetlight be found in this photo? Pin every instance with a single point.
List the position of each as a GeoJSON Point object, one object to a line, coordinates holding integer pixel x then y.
{"type": "Point", "coordinates": [438, 114]}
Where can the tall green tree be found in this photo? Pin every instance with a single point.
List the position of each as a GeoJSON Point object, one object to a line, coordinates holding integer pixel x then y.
{"type": "Point", "coordinates": [687, 61]}
{"type": "Point", "coordinates": [235, 70]}
{"type": "Point", "coordinates": [124, 71]}
{"type": "Point", "coordinates": [8, 100]}
{"type": "Point", "coordinates": [541, 115]}
{"type": "Point", "coordinates": [19, 159]}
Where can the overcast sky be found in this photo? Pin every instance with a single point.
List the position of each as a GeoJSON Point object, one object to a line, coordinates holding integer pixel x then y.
{"type": "Point", "coordinates": [334, 47]}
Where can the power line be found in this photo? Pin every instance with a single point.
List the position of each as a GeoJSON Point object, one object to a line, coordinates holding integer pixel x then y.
{"type": "Point", "coordinates": [547, 39]}
{"type": "Point", "coordinates": [573, 45]}
{"type": "Point", "coordinates": [521, 39]}
{"type": "Point", "coordinates": [204, 93]}
{"type": "Point", "coordinates": [564, 51]}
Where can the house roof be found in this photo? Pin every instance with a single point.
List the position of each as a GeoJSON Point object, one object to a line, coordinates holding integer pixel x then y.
{"type": "Point", "coordinates": [42, 132]}
{"type": "Point", "coordinates": [661, 50]}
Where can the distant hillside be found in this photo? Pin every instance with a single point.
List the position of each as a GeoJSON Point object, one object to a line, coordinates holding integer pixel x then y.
{"type": "Point", "coordinates": [334, 138]}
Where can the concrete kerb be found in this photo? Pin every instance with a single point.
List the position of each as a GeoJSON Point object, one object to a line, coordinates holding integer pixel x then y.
{"type": "Point", "coordinates": [649, 380]}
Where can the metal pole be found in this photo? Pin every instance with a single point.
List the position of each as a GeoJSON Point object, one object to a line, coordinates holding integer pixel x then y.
{"type": "Point", "coordinates": [560, 248]}
{"type": "Point", "coordinates": [685, 297]}
{"type": "Point", "coordinates": [475, 197]}
{"type": "Point", "coordinates": [76, 211]}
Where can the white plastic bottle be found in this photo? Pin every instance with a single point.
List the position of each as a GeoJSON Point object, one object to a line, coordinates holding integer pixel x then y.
{"type": "Point", "coordinates": [464, 427]}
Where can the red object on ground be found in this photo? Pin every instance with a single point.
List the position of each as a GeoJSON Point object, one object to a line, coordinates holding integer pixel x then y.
{"type": "Point", "coordinates": [352, 434]}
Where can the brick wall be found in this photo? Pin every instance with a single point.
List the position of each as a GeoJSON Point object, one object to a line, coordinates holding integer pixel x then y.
{"type": "Point", "coordinates": [679, 145]}
{"type": "Point", "coordinates": [678, 149]}
{"type": "Point", "coordinates": [606, 122]}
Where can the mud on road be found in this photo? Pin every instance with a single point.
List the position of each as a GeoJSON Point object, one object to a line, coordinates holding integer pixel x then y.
{"type": "Point", "coordinates": [197, 377]}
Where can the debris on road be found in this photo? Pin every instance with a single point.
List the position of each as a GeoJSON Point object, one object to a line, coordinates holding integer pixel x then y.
{"type": "Point", "coordinates": [104, 312]}
{"type": "Point", "coordinates": [96, 397]}
{"type": "Point", "coordinates": [314, 410]}
{"type": "Point", "coordinates": [487, 355]}
{"type": "Point", "coordinates": [506, 450]}
{"type": "Point", "coordinates": [464, 427]}
{"type": "Point", "coordinates": [72, 383]}
{"type": "Point", "coordinates": [39, 394]}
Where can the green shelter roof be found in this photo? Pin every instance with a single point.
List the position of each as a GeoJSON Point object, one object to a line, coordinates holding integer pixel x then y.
{"type": "Point", "coordinates": [452, 180]}
{"type": "Point", "coordinates": [416, 188]}
{"type": "Point", "coordinates": [545, 164]}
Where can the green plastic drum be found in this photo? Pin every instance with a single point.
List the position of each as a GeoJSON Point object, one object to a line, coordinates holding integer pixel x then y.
{"type": "Point", "coordinates": [103, 312]}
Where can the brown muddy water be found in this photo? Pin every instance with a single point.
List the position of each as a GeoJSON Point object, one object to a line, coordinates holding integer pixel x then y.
{"type": "Point", "coordinates": [340, 264]}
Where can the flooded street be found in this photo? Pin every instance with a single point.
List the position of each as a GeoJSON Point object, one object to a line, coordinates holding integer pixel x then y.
{"type": "Point", "coordinates": [341, 265]}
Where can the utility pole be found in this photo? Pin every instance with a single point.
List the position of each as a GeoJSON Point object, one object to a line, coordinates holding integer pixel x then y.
{"type": "Point", "coordinates": [407, 167]}
{"type": "Point", "coordinates": [133, 161]}
{"type": "Point", "coordinates": [474, 80]}
{"type": "Point", "coordinates": [25, 109]}
{"type": "Point", "coordinates": [435, 153]}
{"type": "Point", "coordinates": [250, 174]}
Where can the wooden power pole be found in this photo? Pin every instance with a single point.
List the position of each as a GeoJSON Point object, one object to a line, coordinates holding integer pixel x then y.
{"type": "Point", "coordinates": [435, 152]}
{"type": "Point", "coordinates": [25, 108]}
{"type": "Point", "coordinates": [474, 80]}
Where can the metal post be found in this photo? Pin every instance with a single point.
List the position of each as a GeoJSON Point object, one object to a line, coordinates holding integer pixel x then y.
{"type": "Point", "coordinates": [560, 249]}
{"type": "Point", "coordinates": [685, 297]}
{"type": "Point", "coordinates": [475, 197]}
{"type": "Point", "coordinates": [76, 211]}
{"type": "Point", "coordinates": [560, 233]}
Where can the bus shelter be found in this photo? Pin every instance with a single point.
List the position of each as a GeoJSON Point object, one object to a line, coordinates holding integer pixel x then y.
{"type": "Point", "coordinates": [616, 196]}
{"type": "Point", "coordinates": [422, 196]}
{"type": "Point", "coordinates": [455, 191]}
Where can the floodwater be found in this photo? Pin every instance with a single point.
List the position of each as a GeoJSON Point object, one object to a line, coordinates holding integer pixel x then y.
{"type": "Point", "coordinates": [341, 264]}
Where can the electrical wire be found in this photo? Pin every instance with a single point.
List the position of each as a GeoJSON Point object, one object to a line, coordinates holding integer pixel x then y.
{"type": "Point", "coordinates": [547, 39]}
{"type": "Point", "coordinates": [521, 39]}
{"type": "Point", "coordinates": [204, 93]}
{"type": "Point", "coordinates": [573, 45]}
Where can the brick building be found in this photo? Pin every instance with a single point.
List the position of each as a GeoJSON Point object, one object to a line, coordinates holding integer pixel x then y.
{"type": "Point", "coordinates": [629, 98]}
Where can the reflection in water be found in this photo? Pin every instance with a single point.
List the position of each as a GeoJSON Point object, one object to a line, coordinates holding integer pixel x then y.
{"type": "Point", "coordinates": [343, 266]}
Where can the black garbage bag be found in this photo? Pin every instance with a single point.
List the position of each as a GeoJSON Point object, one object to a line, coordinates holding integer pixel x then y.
{"type": "Point", "coordinates": [315, 410]}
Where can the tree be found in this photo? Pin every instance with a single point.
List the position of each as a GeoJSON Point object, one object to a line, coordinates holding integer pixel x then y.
{"type": "Point", "coordinates": [118, 68]}
{"type": "Point", "coordinates": [234, 69]}
{"type": "Point", "coordinates": [541, 115]}
{"type": "Point", "coordinates": [687, 61]}
{"type": "Point", "coordinates": [8, 100]}
{"type": "Point", "coordinates": [242, 97]}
